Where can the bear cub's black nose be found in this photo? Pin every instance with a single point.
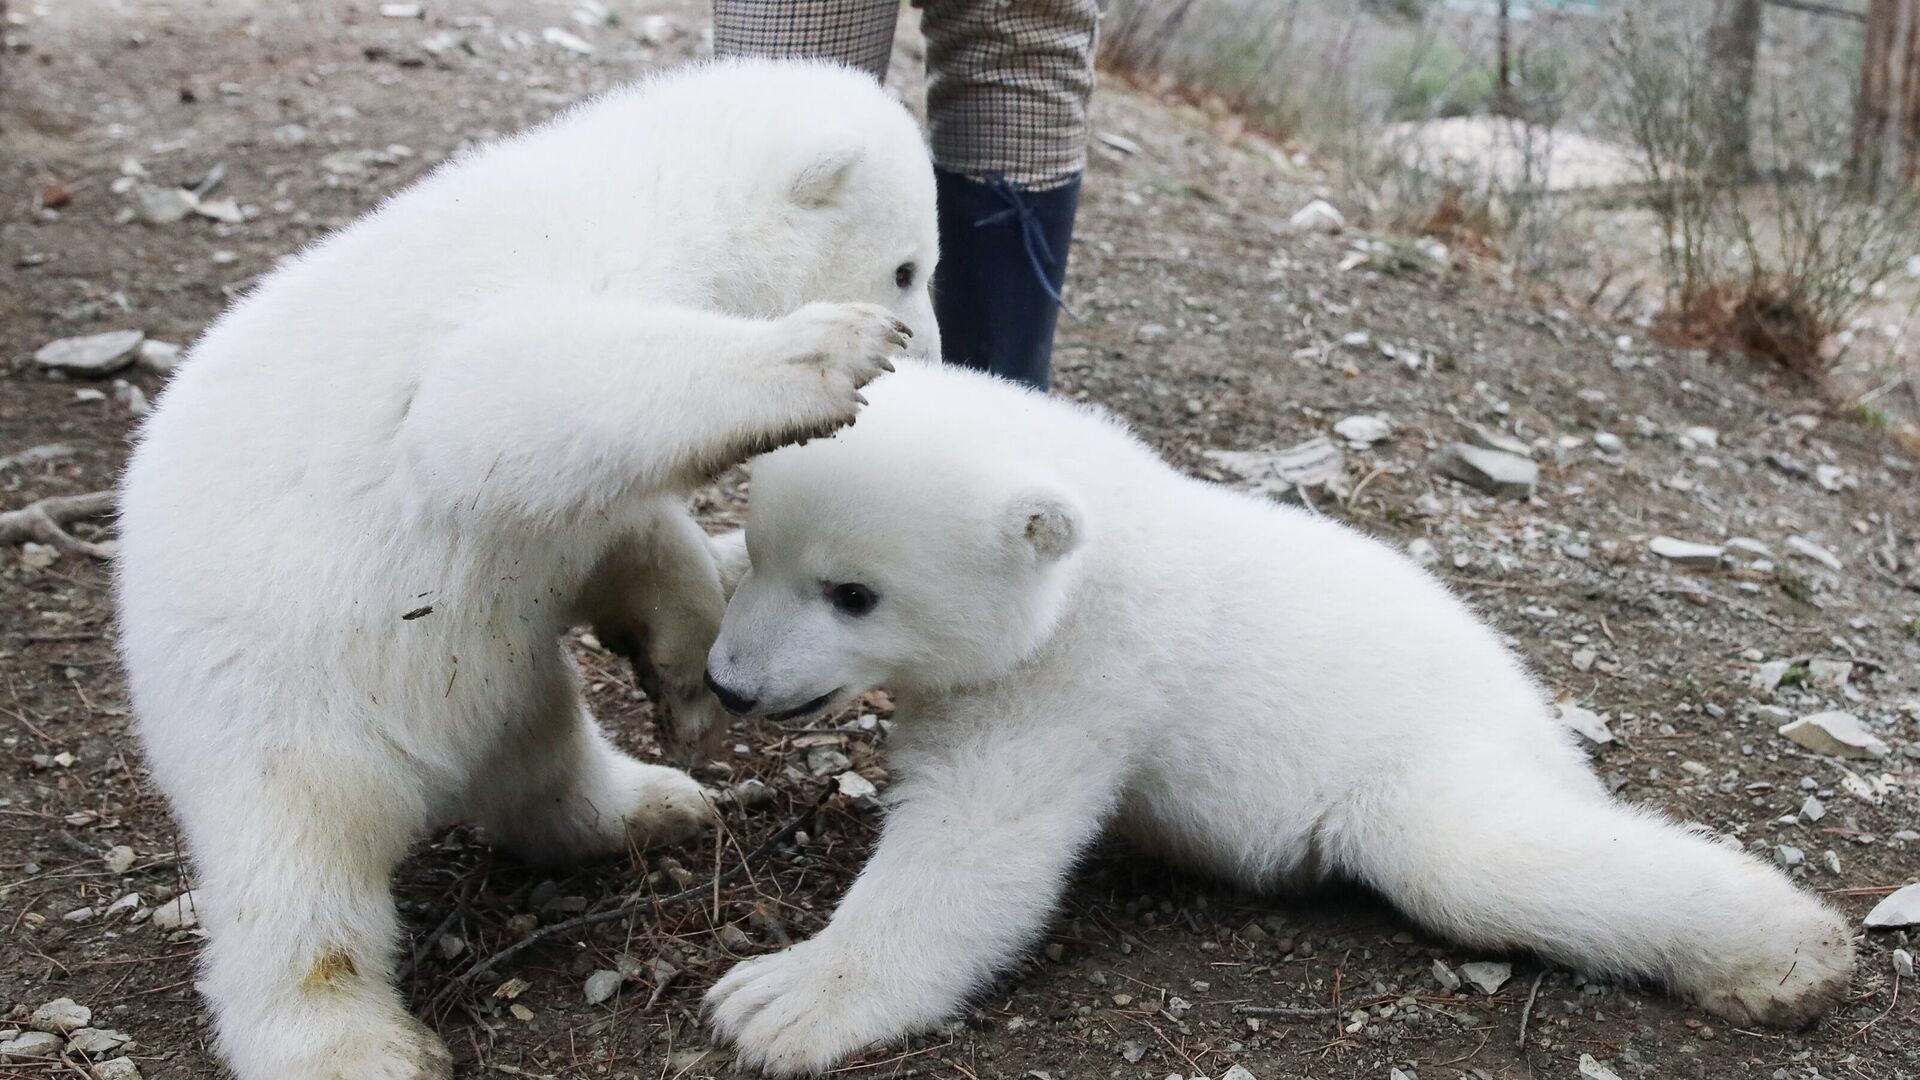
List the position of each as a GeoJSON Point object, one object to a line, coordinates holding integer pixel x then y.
{"type": "Point", "coordinates": [737, 704]}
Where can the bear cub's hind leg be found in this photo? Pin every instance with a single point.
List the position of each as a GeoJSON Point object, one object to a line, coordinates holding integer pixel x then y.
{"type": "Point", "coordinates": [560, 792]}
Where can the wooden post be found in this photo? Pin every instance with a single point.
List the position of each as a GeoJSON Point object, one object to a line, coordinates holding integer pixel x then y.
{"type": "Point", "coordinates": [1872, 101]}
{"type": "Point", "coordinates": [1910, 102]}
{"type": "Point", "coordinates": [1733, 48]}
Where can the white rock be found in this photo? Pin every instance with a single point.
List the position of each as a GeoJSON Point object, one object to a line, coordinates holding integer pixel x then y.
{"type": "Point", "coordinates": [1363, 430]}
{"type": "Point", "coordinates": [1802, 546]}
{"type": "Point", "coordinates": [60, 1015]}
{"type": "Point", "coordinates": [656, 30]}
{"type": "Point", "coordinates": [401, 11]}
{"type": "Point", "coordinates": [92, 354]}
{"type": "Point", "coordinates": [115, 1069]}
{"type": "Point", "coordinates": [35, 556]}
{"type": "Point", "coordinates": [1686, 552]}
{"type": "Point", "coordinates": [1488, 975]}
{"type": "Point", "coordinates": [78, 915]}
{"type": "Point", "coordinates": [602, 985]}
{"type": "Point", "coordinates": [164, 205]}
{"type": "Point", "coordinates": [1493, 471]}
{"type": "Point", "coordinates": [119, 858]}
{"type": "Point", "coordinates": [32, 1045]}
{"type": "Point", "coordinates": [1593, 1070]}
{"type": "Point", "coordinates": [131, 398]}
{"type": "Point", "coordinates": [567, 40]}
{"type": "Point", "coordinates": [1481, 435]}
{"type": "Point", "coordinates": [1237, 1072]}
{"type": "Point", "coordinates": [226, 210]}
{"type": "Point", "coordinates": [1789, 856]}
{"type": "Point", "coordinates": [178, 913]}
{"type": "Point", "coordinates": [1396, 1074]}
{"type": "Point", "coordinates": [1422, 551]}
{"type": "Point", "coordinates": [1700, 437]}
{"type": "Point", "coordinates": [826, 761]}
{"type": "Point", "coordinates": [1835, 733]}
{"type": "Point", "coordinates": [855, 786]}
{"type": "Point", "coordinates": [1830, 477]}
{"type": "Point", "coordinates": [1901, 909]}
{"type": "Point", "coordinates": [1444, 975]}
{"type": "Point", "coordinates": [1766, 677]}
{"type": "Point", "coordinates": [97, 1042]}
{"type": "Point", "coordinates": [128, 903]}
{"type": "Point", "coordinates": [1813, 809]}
{"type": "Point", "coordinates": [1829, 674]}
{"type": "Point", "coordinates": [1588, 723]}
{"type": "Point", "coordinates": [1318, 216]}
{"type": "Point", "coordinates": [1903, 963]}
{"type": "Point", "coordinates": [1747, 549]}
{"type": "Point", "coordinates": [1609, 443]}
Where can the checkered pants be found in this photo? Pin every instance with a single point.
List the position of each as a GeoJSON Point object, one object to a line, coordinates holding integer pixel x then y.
{"type": "Point", "coordinates": [1007, 80]}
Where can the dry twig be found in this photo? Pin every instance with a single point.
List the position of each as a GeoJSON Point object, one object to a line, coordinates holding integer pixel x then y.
{"type": "Point", "coordinates": [46, 521]}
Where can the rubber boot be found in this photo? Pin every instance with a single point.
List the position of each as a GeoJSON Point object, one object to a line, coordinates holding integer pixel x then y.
{"type": "Point", "coordinates": [1003, 260]}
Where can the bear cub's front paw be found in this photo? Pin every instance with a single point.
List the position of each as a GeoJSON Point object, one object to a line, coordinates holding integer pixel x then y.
{"type": "Point", "coordinates": [802, 1011]}
{"type": "Point", "coordinates": [842, 347]}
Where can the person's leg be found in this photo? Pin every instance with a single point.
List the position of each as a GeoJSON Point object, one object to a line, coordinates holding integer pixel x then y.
{"type": "Point", "coordinates": [858, 33]}
{"type": "Point", "coordinates": [1007, 89]}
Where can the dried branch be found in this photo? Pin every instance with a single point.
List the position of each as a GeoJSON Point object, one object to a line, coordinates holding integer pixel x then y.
{"type": "Point", "coordinates": [45, 522]}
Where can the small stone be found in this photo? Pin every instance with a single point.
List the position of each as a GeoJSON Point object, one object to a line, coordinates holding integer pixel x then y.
{"type": "Point", "coordinates": [131, 398]}
{"type": "Point", "coordinates": [1747, 549]}
{"type": "Point", "coordinates": [1422, 551]}
{"type": "Point", "coordinates": [115, 1069]}
{"type": "Point", "coordinates": [164, 205]}
{"type": "Point", "coordinates": [1593, 1070]}
{"type": "Point", "coordinates": [119, 859]}
{"type": "Point", "coordinates": [1903, 963]}
{"type": "Point", "coordinates": [659, 30]}
{"type": "Point", "coordinates": [1150, 332]}
{"type": "Point", "coordinates": [1498, 440]}
{"type": "Point", "coordinates": [1363, 430]}
{"type": "Point", "coordinates": [752, 794]}
{"type": "Point", "coordinates": [1831, 860]}
{"type": "Point", "coordinates": [1700, 438]}
{"type": "Point", "coordinates": [1492, 471]}
{"type": "Point", "coordinates": [1609, 443]}
{"type": "Point", "coordinates": [602, 985]}
{"type": "Point", "coordinates": [92, 354]}
{"type": "Point", "coordinates": [178, 913]}
{"type": "Point", "coordinates": [563, 39]}
{"type": "Point", "coordinates": [1488, 975]}
{"type": "Point", "coordinates": [78, 915]}
{"type": "Point", "coordinates": [1583, 659]}
{"type": "Point", "coordinates": [60, 1016]}
{"type": "Point", "coordinates": [1812, 810]}
{"type": "Point", "coordinates": [1686, 552]}
{"type": "Point", "coordinates": [126, 904]}
{"type": "Point", "coordinates": [1132, 1051]}
{"type": "Point", "coordinates": [734, 939]}
{"type": "Point", "coordinates": [1789, 855]}
{"type": "Point", "coordinates": [1397, 1074]}
{"type": "Point", "coordinates": [97, 1042]}
{"type": "Point", "coordinates": [1237, 1072]}
{"type": "Point", "coordinates": [1901, 909]}
{"type": "Point", "coordinates": [824, 761]}
{"type": "Point", "coordinates": [1318, 216]}
{"type": "Point", "coordinates": [451, 946]}
{"type": "Point", "coordinates": [36, 556]}
{"type": "Point", "coordinates": [1766, 677]}
{"type": "Point", "coordinates": [1591, 725]}
{"type": "Point", "coordinates": [401, 11]}
{"type": "Point", "coordinates": [1444, 975]}
{"type": "Point", "coordinates": [1829, 674]}
{"type": "Point", "coordinates": [32, 1045]}
{"type": "Point", "coordinates": [1806, 548]}
{"type": "Point", "coordinates": [225, 210]}
{"type": "Point", "coordinates": [1835, 733]}
{"type": "Point", "coordinates": [855, 786]}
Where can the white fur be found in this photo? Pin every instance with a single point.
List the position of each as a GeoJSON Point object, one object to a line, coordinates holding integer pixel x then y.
{"type": "Point", "coordinates": [491, 397]}
{"type": "Point", "coordinates": [1080, 637]}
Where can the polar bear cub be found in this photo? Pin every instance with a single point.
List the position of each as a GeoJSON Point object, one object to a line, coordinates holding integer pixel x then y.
{"type": "Point", "coordinates": [385, 481]}
{"type": "Point", "coordinates": [1079, 637]}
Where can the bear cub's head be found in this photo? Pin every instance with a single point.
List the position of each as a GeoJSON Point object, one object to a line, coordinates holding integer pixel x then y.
{"type": "Point", "coordinates": [888, 557]}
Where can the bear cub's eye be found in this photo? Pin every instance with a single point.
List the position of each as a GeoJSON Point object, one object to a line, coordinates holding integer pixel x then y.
{"type": "Point", "coordinates": [852, 598]}
{"type": "Point", "coordinates": [903, 277]}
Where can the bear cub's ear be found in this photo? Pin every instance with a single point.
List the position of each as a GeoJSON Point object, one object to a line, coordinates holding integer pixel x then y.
{"type": "Point", "coordinates": [820, 180]}
{"type": "Point", "coordinates": [1047, 522]}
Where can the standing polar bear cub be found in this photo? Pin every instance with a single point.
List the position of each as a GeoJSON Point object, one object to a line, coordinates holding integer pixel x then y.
{"type": "Point", "coordinates": [386, 481]}
{"type": "Point", "coordinates": [1080, 637]}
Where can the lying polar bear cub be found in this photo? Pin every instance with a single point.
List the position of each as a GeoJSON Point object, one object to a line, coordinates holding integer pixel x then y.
{"type": "Point", "coordinates": [1080, 637]}
{"type": "Point", "coordinates": [389, 478]}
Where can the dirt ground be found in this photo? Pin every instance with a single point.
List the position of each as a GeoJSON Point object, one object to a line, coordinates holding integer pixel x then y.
{"type": "Point", "coordinates": [1207, 323]}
